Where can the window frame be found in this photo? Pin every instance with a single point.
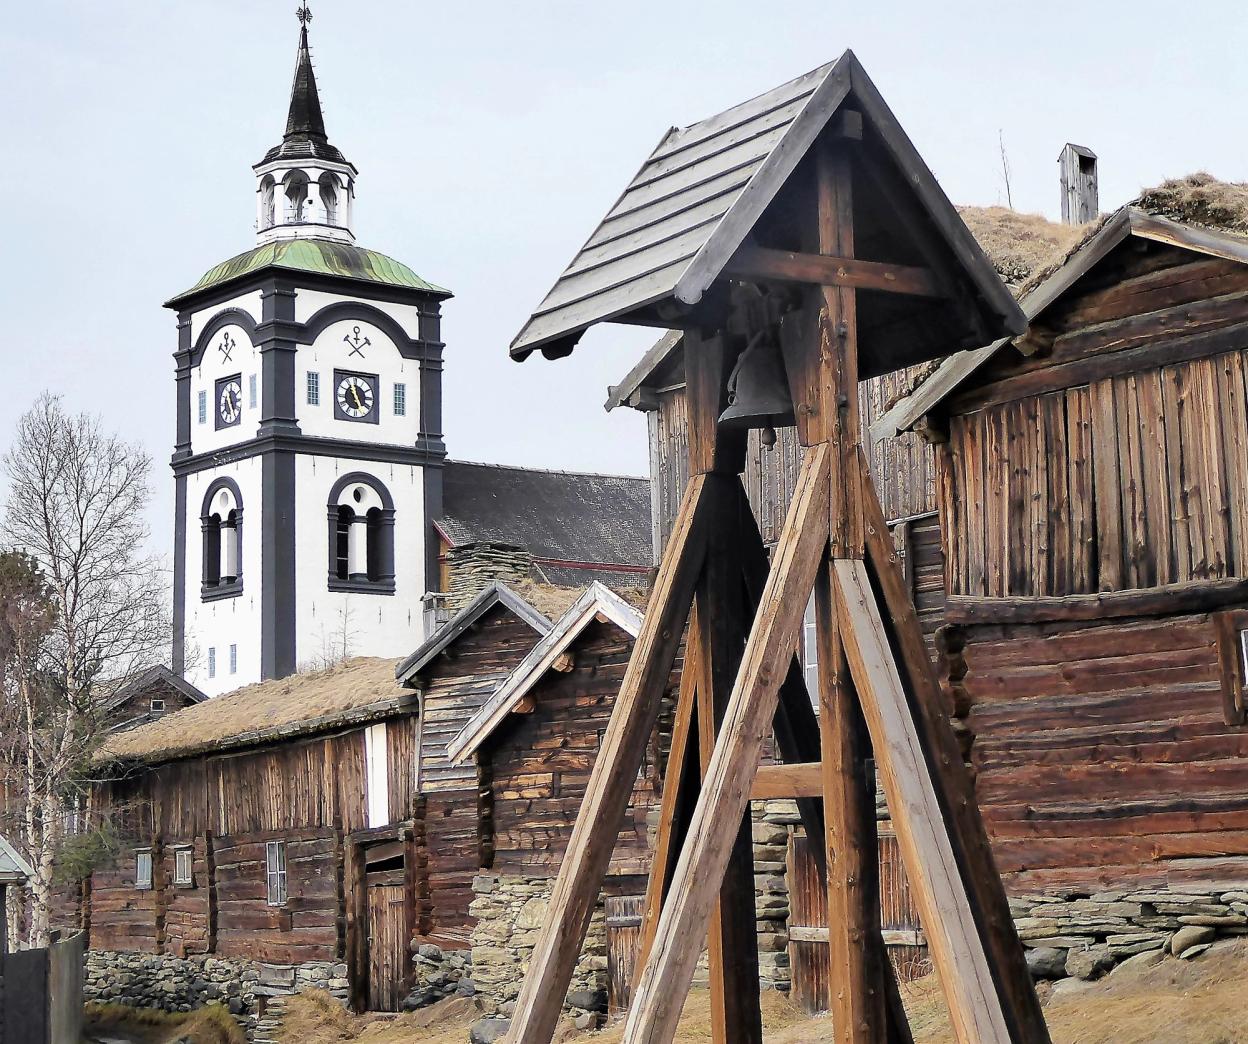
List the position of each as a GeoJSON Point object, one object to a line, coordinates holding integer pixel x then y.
{"type": "Point", "coordinates": [233, 657]}
{"type": "Point", "coordinates": [212, 661]}
{"type": "Point", "coordinates": [202, 407]}
{"type": "Point", "coordinates": [253, 392]}
{"type": "Point", "coordinates": [186, 852]}
{"type": "Point", "coordinates": [312, 388]}
{"type": "Point", "coordinates": [275, 874]}
{"type": "Point", "coordinates": [400, 398]}
{"type": "Point", "coordinates": [154, 709]}
{"type": "Point", "coordinates": [142, 883]}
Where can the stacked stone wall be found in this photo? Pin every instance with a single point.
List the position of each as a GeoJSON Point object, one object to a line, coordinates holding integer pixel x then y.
{"type": "Point", "coordinates": [473, 567]}
{"type": "Point", "coordinates": [181, 984]}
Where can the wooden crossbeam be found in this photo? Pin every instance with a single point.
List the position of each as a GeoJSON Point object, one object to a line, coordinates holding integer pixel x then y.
{"type": "Point", "coordinates": [664, 983]}
{"type": "Point", "coordinates": [615, 769]}
{"type": "Point", "coordinates": [764, 264]}
{"type": "Point", "coordinates": [931, 866]}
{"type": "Point", "coordinates": [776, 782]}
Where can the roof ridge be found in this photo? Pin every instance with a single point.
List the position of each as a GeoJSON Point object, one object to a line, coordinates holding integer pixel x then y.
{"type": "Point", "coordinates": [548, 471]}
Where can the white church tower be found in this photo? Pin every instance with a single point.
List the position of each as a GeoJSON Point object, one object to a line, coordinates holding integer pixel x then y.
{"type": "Point", "coordinates": [309, 435]}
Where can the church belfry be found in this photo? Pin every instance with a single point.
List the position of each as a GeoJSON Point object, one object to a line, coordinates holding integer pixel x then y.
{"type": "Point", "coordinates": [309, 453]}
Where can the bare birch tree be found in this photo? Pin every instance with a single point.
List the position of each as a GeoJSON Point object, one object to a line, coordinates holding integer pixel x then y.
{"type": "Point", "coordinates": [76, 503]}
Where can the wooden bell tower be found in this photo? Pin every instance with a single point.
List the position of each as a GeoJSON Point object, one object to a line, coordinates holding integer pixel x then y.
{"type": "Point", "coordinates": [805, 223]}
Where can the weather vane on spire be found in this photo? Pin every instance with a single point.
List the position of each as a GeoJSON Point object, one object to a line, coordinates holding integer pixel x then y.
{"type": "Point", "coordinates": [305, 16]}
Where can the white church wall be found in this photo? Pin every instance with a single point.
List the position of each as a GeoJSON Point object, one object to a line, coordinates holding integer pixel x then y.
{"type": "Point", "coordinates": [373, 624]}
{"type": "Point", "coordinates": [309, 302]}
{"type": "Point", "coordinates": [245, 362]}
{"type": "Point", "coordinates": [252, 303]}
{"type": "Point", "coordinates": [218, 625]}
{"type": "Point", "coordinates": [332, 351]}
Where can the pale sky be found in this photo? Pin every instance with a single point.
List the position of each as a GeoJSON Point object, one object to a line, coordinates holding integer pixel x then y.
{"type": "Point", "coordinates": [491, 137]}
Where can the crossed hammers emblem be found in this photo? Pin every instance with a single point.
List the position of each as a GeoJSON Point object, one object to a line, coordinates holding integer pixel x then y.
{"type": "Point", "coordinates": [357, 343]}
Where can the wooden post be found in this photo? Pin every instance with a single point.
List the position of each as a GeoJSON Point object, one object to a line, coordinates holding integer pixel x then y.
{"type": "Point", "coordinates": [664, 983]}
{"type": "Point", "coordinates": [732, 938]}
{"type": "Point", "coordinates": [623, 746]}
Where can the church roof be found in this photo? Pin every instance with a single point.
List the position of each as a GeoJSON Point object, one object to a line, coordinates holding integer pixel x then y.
{"type": "Point", "coordinates": [305, 136]}
{"type": "Point", "coordinates": [578, 527]}
{"type": "Point", "coordinates": [317, 257]}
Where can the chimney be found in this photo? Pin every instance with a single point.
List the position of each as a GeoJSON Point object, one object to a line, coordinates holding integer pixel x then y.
{"type": "Point", "coordinates": [1079, 196]}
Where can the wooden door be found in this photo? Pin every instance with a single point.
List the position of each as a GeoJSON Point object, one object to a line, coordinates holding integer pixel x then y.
{"type": "Point", "coordinates": [624, 914]}
{"type": "Point", "coordinates": [808, 922]}
{"type": "Point", "coordinates": [387, 942]}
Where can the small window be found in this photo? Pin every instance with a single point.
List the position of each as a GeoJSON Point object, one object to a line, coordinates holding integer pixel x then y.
{"type": "Point", "coordinates": [233, 659]}
{"type": "Point", "coordinates": [252, 396]}
{"type": "Point", "coordinates": [143, 869]}
{"type": "Point", "coordinates": [212, 662]}
{"type": "Point", "coordinates": [275, 867]}
{"type": "Point", "coordinates": [182, 864]}
{"type": "Point", "coordinates": [314, 389]}
{"type": "Point", "coordinates": [203, 407]}
{"type": "Point", "coordinates": [400, 400]}
{"type": "Point", "coordinates": [158, 706]}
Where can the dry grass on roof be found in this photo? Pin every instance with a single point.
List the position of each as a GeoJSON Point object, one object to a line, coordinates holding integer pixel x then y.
{"type": "Point", "coordinates": [1019, 245]}
{"type": "Point", "coordinates": [287, 706]}
{"type": "Point", "coordinates": [552, 602]}
{"type": "Point", "coordinates": [1199, 199]}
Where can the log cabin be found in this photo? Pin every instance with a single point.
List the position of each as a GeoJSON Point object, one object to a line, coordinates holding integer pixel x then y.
{"type": "Point", "coordinates": [1093, 495]}
{"type": "Point", "coordinates": [1068, 506]}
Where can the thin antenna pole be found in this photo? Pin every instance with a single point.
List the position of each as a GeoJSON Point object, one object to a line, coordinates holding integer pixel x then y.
{"type": "Point", "coordinates": [1005, 168]}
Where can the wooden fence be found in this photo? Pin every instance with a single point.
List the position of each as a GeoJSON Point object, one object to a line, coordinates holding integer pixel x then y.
{"type": "Point", "coordinates": [41, 993]}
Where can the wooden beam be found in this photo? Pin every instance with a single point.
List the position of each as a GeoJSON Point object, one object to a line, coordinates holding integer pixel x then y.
{"type": "Point", "coordinates": [732, 937]}
{"type": "Point", "coordinates": [615, 769]}
{"type": "Point", "coordinates": [1190, 596]}
{"type": "Point", "coordinates": [763, 264]}
{"type": "Point", "coordinates": [974, 855]}
{"type": "Point", "coordinates": [708, 362]}
{"type": "Point", "coordinates": [777, 782]}
{"type": "Point", "coordinates": [958, 953]}
{"type": "Point", "coordinates": [855, 950]}
{"type": "Point", "coordinates": [680, 786]}
{"type": "Point", "coordinates": [664, 983]}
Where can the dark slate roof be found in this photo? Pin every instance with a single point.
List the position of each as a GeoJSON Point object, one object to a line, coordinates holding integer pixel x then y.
{"type": "Point", "coordinates": [570, 523]}
{"type": "Point", "coordinates": [305, 136]}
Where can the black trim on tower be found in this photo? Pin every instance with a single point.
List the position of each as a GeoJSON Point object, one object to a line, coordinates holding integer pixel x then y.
{"type": "Point", "coordinates": [425, 454]}
{"type": "Point", "coordinates": [277, 566]}
{"type": "Point", "coordinates": [179, 575]}
{"type": "Point", "coordinates": [278, 424]}
{"type": "Point", "coordinates": [228, 317]}
{"type": "Point", "coordinates": [431, 434]}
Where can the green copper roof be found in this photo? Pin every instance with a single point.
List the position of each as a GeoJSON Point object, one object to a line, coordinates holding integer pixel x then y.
{"type": "Point", "coordinates": [319, 257]}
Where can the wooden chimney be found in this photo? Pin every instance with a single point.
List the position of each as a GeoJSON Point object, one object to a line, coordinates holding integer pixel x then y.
{"type": "Point", "coordinates": [1079, 196]}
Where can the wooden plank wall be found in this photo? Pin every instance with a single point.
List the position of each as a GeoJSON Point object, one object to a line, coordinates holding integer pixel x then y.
{"type": "Point", "coordinates": [1102, 758]}
{"type": "Point", "coordinates": [455, 686]}
{"type": "Point", "coordinates": [1116, 460]}
{"type": "Point", "coordinates": [307, 928]}
{"type": "Point", "coordinates": [537, 765]}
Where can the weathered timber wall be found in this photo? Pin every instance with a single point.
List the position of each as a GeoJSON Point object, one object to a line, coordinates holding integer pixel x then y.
{"type": "Point", "coordinates": [1102, 758]}
{"type": "Point", "coordinates": [307, 927]}
{"type": "Point", "coordinates": [537, 764]}
{"type": "Point", "coordinates": [1115, 460]}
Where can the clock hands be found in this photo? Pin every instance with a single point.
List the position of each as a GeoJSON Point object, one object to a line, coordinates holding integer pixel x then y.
{"type": "Point", "coordinates": [355, 392]}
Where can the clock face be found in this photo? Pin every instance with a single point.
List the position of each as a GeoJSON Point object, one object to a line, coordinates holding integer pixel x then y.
{"type": "Point", "coordinates": [229, 401]}
{"type": "Point", "coordinates": [355, 396]}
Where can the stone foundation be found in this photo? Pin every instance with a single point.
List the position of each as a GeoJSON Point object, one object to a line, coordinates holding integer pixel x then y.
{"type": "Point", "coordinates": [177, 984]}
{"type": "Point", "coordinates": [1085, 936]}
{"type": "Point", "coordinates": [438, 974]}
{"type": "Point", "coordinates": [509, 913]}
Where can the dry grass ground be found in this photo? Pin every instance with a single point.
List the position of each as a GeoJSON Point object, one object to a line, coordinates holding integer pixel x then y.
{"type": "Point", "coordinates": [1179, 1002]}
{"type": "Point", "coordinates": [210, 1025]}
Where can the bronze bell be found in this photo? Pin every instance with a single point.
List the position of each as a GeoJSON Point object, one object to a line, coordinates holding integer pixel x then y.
{"type": "Point", "coordinates": [758, 390]}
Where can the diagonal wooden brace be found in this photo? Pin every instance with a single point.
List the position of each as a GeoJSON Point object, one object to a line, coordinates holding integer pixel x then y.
{"type": "Point", "coordinates": [615, 770]}
{"type": "Point", "coordinates": [664, 983]}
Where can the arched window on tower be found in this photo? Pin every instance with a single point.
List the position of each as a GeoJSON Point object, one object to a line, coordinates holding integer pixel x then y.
{"type": "Point", "coordinates": [221, 523]}
{"type": "Point", "coordinates": [295, 188]}
{"type": "Point", "coordinates": [329, 197]}
{"type": "Point", "coordinates": [361, 536]}
{"type": "Point", "coordinates": [268, 204]}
